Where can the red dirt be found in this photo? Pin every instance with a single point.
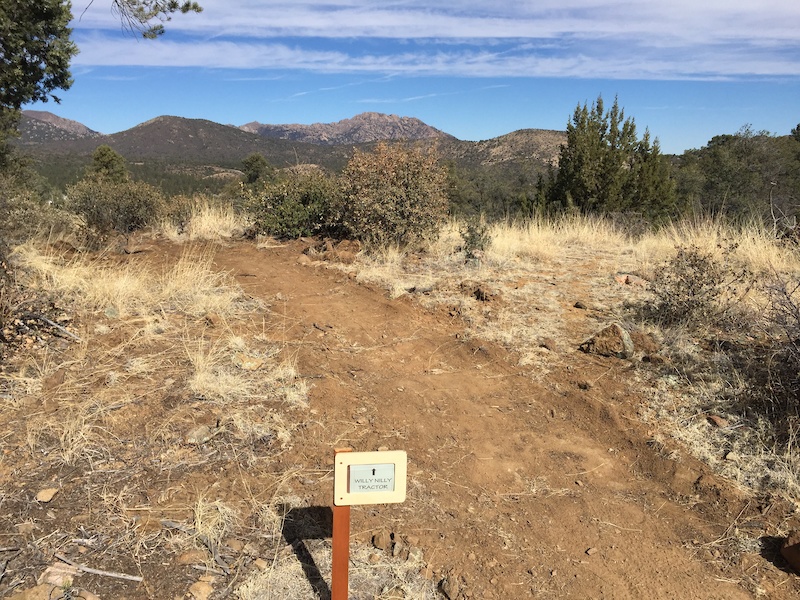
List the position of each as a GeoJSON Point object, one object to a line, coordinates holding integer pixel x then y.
{"type": "Point", "coordinates": [516, 488]}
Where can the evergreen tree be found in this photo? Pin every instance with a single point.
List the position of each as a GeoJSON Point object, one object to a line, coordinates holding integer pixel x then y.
{"type": "Point", "coordinates": [604, 167]}
{"type": "Point", "coordinates": [108, 165]}
{"type": "Point", "coordinates": [256, 168]}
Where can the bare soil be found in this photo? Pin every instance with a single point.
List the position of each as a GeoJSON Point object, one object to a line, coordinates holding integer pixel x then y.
{"type": "Point", "coordinates": [519, 485]}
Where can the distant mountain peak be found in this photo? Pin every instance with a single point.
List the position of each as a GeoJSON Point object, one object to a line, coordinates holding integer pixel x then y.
{"type": "Point", "coordinates": [73, 128]}
{"type": "Point", "coordinates": [361, 129]}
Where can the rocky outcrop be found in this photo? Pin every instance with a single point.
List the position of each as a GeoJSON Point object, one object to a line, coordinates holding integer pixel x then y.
{"type": "Point", "coordinates": [364, 128]}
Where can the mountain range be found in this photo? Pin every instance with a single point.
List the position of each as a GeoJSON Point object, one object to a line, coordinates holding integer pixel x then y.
{"type": "Point", "coordinates": [198, 141]}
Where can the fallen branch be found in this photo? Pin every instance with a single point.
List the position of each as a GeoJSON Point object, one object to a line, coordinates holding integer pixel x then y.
{"type": "Point", "coordinates": [53, 324]}
{"type": "Point", "coordinates": [100, 572]}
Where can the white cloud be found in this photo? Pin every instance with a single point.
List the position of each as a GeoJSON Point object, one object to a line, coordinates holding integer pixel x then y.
{"type": "Point", "coordinates": [650, 39]}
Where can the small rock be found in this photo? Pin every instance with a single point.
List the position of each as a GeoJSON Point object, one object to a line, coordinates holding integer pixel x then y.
{"type": "Point", "coordinates": [261, 564]}
{"type": "Point", "coordinates": [46, 495]}
{"type": "Point", "coordinates": [374, 558]}
{"type": "Point", "coordinates": [199, 435]}
{"type": "Point", "coordinates": [590, 551]}
{"type": "Point", "coordinates": [247, 363]}
{"type": "Point", "coordinates": [549, 344]}
{"type": "Point", "coordinates": [732, 457]}
{"type": "Point", "coordinates": [717, 421]}
{"type": "Point", "coordinates": [201, 590]}
{"type": "Point", "coordinates": [382, 540]}
{"type": "Point", "coordinates": [415, 554]}
{"type": "Point", "coordinates": [192, 557]}
{"type": "Point", "coordinates": [450, 587]}
{"type": "Point", "coordinates": [579, 305]}
{"type": "Point", "coordinates": [479, 291]}
{"type": "Point", "coordinates": [213, 320]}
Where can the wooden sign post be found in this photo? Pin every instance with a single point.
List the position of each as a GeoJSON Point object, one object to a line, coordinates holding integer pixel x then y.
{"type": "Point", "coordinates": [360, 478]}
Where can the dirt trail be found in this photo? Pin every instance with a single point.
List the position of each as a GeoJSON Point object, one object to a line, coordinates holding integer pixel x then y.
{"type": "Point", "coordinates": [517, 488]}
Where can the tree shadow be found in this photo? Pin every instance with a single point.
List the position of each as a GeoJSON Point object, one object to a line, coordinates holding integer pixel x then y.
{"type": "Point", "coordinates": [308, 523]}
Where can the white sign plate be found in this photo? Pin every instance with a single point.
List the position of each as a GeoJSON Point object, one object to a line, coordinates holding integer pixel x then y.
{"type": "Point", "coordinates": [369, 477]}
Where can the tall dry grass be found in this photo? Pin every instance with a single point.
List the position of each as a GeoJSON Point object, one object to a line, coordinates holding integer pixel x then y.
{"type": "Point", "coordinates": [206, 219]}
{"type": "Point", "coordinates": [191, 285]}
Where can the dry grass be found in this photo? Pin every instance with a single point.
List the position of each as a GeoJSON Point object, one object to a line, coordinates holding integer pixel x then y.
{"type": "Point", "coordinates": [207, 220]}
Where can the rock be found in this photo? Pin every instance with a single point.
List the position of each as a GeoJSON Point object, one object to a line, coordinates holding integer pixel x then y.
{"type": "Point", "coordinates": [479, 291]}
{"type": "Point", "coordinates": [192, 557]}
{"type": "Point", "coordinates": [415, 554]}
{"type": "Point", "coordinates": [201, 590]}
{"type": "Point", "coordinates": [395, 593]}
{"type": "Point", "coordinates": [790, 550]}
{"type": "Point", "coordinates": [614, 340]}
{"type": "Point", "coordinates": [579, 305]}
{"type": "Point", "coordinates": [261, 564]}
{"type": "Point", "coordinates": [247, 363]}
{"type": "Point", "coordinates": [382, 540]}
{"type": "Point", "coordinates": [717, 421]}
{"type": "Point", "coordinates": [590, 551]}
{"type": "Point", "coordinates": [40, 592]}
{"type": "Point", "coordinates": [46, 495]}
{"type": "Point", "coordinates": [450, 587]}
{"type": "Point", "coordinates": [199, 435]}
{"type": "Point", "coordinates": [374, 558]}
{"type": "Point", "coordinates": [213, 320]}
{"type": "Point", "coordinates": [549, 344]}
{"type": "Point", "coordinates": [732, 457]}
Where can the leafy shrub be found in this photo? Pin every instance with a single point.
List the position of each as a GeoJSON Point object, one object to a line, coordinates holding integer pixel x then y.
{"type": "Point", "coordinates": [695, 288]}
{"type": "Point", "coordinates": [293, 207]}
{"type": "Point", "coordinates": [475, 233]}
{"type": "Point", "coordinates": [110, 206]}
{"type": "Point", "coordinates": [27, 212]}
{"type": "Point", "coordinates": [393, 195]}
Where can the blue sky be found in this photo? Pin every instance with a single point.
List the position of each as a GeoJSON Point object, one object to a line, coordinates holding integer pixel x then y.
{"type": "Point", "coordinates": [685, 69]}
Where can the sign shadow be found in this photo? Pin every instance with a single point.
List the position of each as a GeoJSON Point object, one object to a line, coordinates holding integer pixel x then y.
{"type": "Point", "coordinates": [308, 523]}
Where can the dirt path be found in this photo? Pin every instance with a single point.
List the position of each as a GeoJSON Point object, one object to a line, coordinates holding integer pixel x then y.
{"type": "Point", "coordinates": [517, 488]}
{"type": "Point", "coordinates": [535, 481]}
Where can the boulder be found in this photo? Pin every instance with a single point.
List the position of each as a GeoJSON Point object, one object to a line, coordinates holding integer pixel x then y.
{"type": "Point", "coordinates": [613, 340]}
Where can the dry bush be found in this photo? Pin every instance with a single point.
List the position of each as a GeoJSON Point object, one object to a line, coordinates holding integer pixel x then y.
{"type": "Point", "coordinates": [395, 195]}
{"type": "Point", "coordinates": [696, 289]}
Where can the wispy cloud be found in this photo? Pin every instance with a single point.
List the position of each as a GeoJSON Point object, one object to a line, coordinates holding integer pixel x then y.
{"type": "Point", "coordinates": [643, 39]}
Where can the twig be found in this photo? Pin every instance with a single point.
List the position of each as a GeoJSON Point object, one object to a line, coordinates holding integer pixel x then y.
{"type": "Point", "coordinates": [86, 569]}
{"type": "Point", "coordinates": [589, 471]}
{"type": "Point", "coordinates": [211, 545]}
{"type": "Point", "coordinates": [60, 328]}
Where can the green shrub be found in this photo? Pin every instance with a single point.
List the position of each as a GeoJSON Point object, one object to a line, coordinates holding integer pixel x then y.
{"type": "Point", "coordinates": [475, 233]}
{"type": "Point", "coordinates": [296, 206]}
{"type": "Point", "coordinates": [113, 206]}
{"type": "Point", "coordinates": [393, 195]}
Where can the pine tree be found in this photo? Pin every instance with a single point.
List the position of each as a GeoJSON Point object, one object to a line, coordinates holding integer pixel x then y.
{"type": "Point", "coordinates": [604, 167]}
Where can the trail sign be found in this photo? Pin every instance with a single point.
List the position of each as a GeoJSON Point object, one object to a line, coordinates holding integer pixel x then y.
{"type": "Point", "coordinates": [369, 477]}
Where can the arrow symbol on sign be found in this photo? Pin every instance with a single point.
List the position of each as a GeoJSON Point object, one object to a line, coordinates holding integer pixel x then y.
{"type": "Point", "coordinates": [373, 472]}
